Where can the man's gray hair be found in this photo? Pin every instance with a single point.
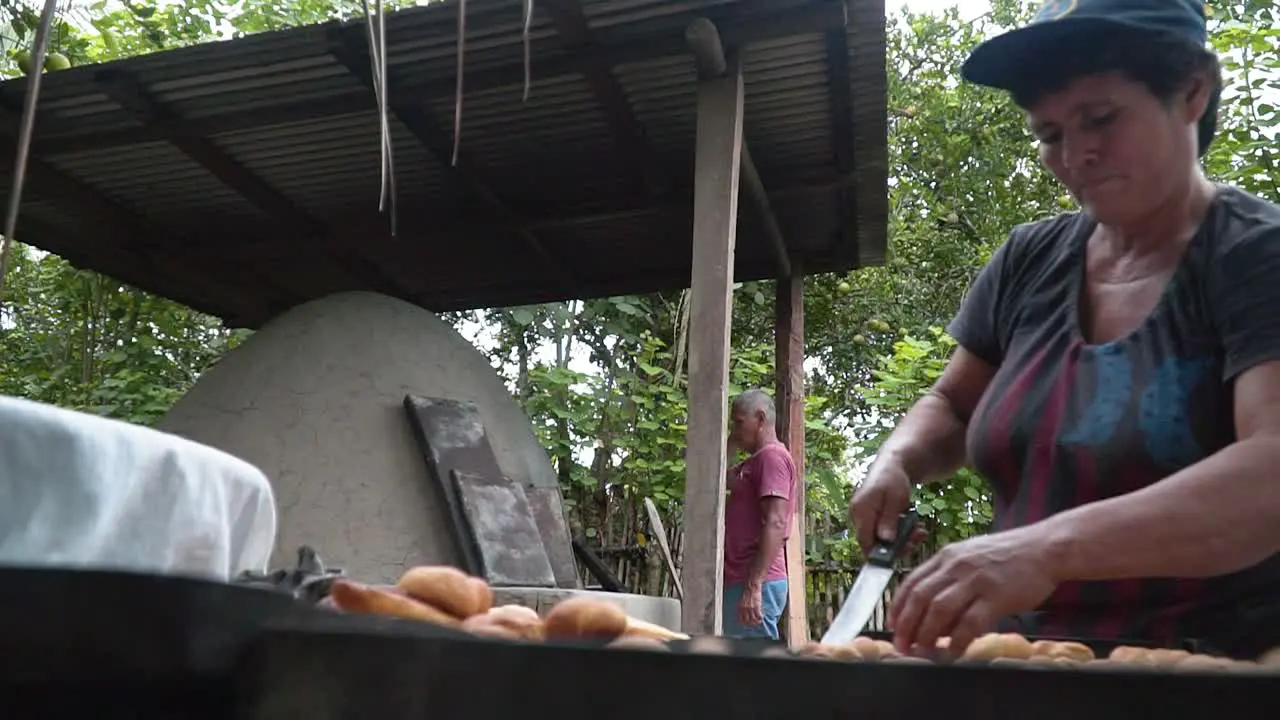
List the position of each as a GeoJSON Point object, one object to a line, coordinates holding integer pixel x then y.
{"type": "Point", "coordinates": [757, 401]}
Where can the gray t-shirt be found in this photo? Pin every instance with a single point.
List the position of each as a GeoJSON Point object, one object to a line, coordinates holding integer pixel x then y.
{"type": "Point", "coordinates": [1065, 422]}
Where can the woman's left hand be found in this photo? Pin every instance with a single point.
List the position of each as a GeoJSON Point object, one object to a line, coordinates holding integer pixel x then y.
{"type": "Point", "coordinates": [967, 587]}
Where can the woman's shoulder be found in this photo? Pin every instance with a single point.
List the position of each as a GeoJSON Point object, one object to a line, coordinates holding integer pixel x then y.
{"type": "Point", "coordinates": [1044, 242]}
{"type": "Point", "coordinates": [1242, 221]}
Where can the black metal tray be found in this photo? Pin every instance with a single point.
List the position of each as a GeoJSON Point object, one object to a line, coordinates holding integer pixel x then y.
{"type": "Point", "coordinates": [66, 626]}
{"type": "Point", "coordinates": [309, 671]}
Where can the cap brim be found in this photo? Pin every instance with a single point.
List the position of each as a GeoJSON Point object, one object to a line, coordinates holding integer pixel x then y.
{"type": "Point", "coordinates": [1005, 59]}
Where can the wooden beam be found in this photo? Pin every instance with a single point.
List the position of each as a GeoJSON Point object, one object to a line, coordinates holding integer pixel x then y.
{"type": "Point", "coordinates": [841, 99]}
{"type": "Point", "coordinates": [628, 133]}
{"type": "Point", "coordinates": [789, 370]}
{"type": "Point", "coordinates": [611, 48]}
{"type": "Point", "coordinates": [708, 56]}
{"type": "Point", "coordinates": [764, 209]}
{"type": "Point", "coordinates": [424, 128]}
{"type": "Point", "coordinates": [716, 169]}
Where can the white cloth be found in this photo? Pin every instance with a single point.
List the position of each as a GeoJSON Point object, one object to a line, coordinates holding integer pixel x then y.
{"type": "Point", "coordinates": [78, 490]}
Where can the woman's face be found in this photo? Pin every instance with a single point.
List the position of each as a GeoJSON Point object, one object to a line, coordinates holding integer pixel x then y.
{"type": "Point", "coordinates": [1120, 151]}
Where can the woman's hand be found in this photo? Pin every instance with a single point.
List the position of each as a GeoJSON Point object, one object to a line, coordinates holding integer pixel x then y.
{"type": "Point", "coordinates": [965, 589]}
{"type": "Point", "coordinates": [883, 495]}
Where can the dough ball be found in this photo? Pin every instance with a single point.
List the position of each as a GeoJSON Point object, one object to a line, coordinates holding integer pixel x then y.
{"type": "Point", "coordinates": [871, 649]}
{"type": "Point", "coordinates": [486, 626]}
{"type": "Point", "coordinates": [1078, 652]}
{"type": "Point", "coordinates": [710, 645]}
{"type": "Point", "coordinates": [907, 660]}
{"type": "Point", "coordinates": [1008, 662]}
{"type": "Point", "coordinates": [998, 645]}
{"type": "Point", "coordinates": [776, 652]}
{"type": "Point", "coordinates": [637, 642]}
{"type": "Point", "coordinates": [1203, 663]}
{"type": "Point", "coordinates": [1270, 658]}
{"type": "Point", "coordinates": [1130, 655]}
{"type": "Point", "coordinates": [356, 597]}
{"type": "Point", "coordinates": [830, 652]}
{"type": "Point", "coordinates": [521, 621]}
{"type": "Point", "coordinates": [585, 617]}
{"type": "Point", "coordinates": [447, 588]}
{"type": "Point", "coordinates": [641, 628]}
{"type": "Point", "coordinates": [1166, 658]}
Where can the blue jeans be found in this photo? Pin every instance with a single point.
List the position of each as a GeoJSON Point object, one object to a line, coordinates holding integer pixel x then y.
{"type": "Point", "coordinates": [773, 598]}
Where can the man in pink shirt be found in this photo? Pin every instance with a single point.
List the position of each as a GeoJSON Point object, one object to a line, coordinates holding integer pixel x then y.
{"type": "Point", "coordinates": [757, 520]}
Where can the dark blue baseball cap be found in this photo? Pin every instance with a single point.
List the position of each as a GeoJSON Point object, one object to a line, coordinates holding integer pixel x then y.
{"type": "Point", "coordinates": [1058, 24]}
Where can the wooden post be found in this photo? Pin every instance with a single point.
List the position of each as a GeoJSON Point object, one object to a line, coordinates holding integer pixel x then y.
{"type": "Point", "coordinates": [789, 369]}
{"type": "Point", "coordinates": [715, 202]}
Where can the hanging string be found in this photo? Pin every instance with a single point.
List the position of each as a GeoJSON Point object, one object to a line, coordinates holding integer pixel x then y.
{"type": "Point", "coordinates": [25, 130]}
{"type": "Point", "coordinates": [457, 95]}
{"type": "Point", "coordinates": [528, 23]}
{"type": "Point", "coordinates": [376, 34]}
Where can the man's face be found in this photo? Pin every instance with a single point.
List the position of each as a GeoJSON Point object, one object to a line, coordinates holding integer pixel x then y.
{"type": "Point", "coordinates": [745, 427]}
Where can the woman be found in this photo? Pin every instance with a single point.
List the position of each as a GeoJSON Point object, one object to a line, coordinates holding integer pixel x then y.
{"type": "Point", "coordinates": [1118, 372]}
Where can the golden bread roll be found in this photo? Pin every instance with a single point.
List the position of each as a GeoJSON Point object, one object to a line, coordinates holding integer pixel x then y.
{"type": "Point", "coordinates": [832, 652]}
{"type": "Point", "coordinates": [998, 645]}
{"type": "Point", "coordinates": [640, 628]}
{"type": "Point", "coordinates": [585, 617]}
{"type": "Point", "coordinates": [447, 588]}
{"type": "Point", "coordinates": [520, 621]}
{"type": "Point", "coordinates": [639, 642]}
{"type": "Point", "coordinates": [1014, 663]}
{"type": "Point", "coordinates": [1078, 652]}
{"type": "Point", "coordinates": [871, 649]}
{"type": "Point", "coordinates": [355, 597]}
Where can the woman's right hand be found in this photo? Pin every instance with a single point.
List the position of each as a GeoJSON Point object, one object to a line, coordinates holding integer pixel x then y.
{"type": "Point", "coordinates": [885, 493]}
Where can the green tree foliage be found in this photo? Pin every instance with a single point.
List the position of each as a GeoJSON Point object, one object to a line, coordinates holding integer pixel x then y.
{"type": "Point", "coordinates": [603, 381]}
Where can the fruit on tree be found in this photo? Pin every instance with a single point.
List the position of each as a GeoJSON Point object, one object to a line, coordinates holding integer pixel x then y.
{"type": "Point", "coordinates": [56, 61]}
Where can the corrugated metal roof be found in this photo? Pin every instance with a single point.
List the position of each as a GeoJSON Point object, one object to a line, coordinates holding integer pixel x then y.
{"type": "Point", "coordinates": [286, 209]}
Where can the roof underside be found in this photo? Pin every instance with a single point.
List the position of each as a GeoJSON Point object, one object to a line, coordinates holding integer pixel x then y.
{"type": "Point", "coordinates": [242, 177]}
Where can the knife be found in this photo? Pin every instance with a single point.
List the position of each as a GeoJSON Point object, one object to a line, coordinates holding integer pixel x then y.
{"type": "Point", "coordinates": [869, 588]}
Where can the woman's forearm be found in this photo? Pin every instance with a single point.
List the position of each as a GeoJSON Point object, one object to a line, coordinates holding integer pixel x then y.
{"type": "Point", "coordinates": [1212, 518]}
{"type": "Point", "coordinates": [929, 441]}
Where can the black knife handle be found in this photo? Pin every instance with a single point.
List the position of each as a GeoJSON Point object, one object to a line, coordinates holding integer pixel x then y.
{"type": "Point", "coordinates": [885, 553]}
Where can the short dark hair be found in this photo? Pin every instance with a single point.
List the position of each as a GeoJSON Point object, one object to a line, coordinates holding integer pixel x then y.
{"type": "Point", "coordinates": [1162, 63]}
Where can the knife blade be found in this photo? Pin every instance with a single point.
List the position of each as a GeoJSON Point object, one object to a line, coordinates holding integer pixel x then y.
{"type": "Point", "coordinates": [870, 585]}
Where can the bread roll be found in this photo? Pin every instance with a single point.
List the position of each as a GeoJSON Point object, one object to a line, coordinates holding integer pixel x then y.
{"type": "Point", "coordinates": [358, 598]}
{"type": "Point", "coordinates": [998, 645]}
{"type": "Point", "coordinates": [585, 617]}
{"type": "Point", "coordinates": [640, 628]}
{"type": "Point", "coordinates": [1270, 658]}
{"type": "Point", "coordinates": [447, 588]}
{"type": "Point", "coordinates": [517, 621]}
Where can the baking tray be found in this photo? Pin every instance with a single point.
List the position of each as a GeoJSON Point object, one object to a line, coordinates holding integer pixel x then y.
{"type": "Point", "coordinates": [66, 626]}
{"type": "Point", "coordinates": [312, 671]}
